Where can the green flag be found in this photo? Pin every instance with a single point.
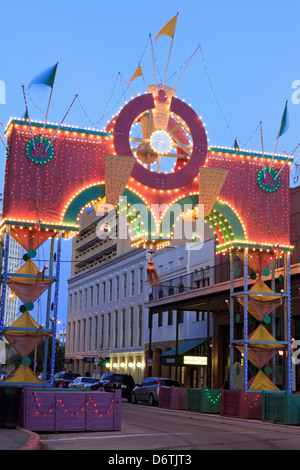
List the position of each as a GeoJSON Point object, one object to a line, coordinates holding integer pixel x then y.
{"type": "Point", "coordinates": [45, 78]}
{"type": "Point", "coordinates": [284, 122]}
{"type": "Point", "coordinates": [236, 145]}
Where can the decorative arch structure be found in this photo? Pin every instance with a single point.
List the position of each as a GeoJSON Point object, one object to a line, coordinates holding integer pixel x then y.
{"type": "Point", "coordinates": [51, 173]}
{"type": "Point", "coordinates": [223, 219]}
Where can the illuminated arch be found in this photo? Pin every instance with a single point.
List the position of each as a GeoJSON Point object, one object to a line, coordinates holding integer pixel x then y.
{"type": "Point", "coordinates": [223, 219]}
{"type": "Point", "coordinates": [138, 214]}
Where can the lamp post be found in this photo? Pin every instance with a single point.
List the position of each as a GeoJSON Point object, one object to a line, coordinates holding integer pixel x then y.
{"type": "Point", "coordinates": [61, 323]}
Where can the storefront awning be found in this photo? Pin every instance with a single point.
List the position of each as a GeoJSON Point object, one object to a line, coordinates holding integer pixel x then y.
{"type": "Point", "coordinates": [169, 357]}
{"type": "Point", "coordinates": [104, 362]}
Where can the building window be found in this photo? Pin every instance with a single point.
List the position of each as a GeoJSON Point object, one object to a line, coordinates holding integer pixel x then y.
{"type": "Point", "coordinates": [73, 337]}
{"type": "Point", "coordinates": [89, 334]}
{"type": "Point", "coordinates": [101, 331]}
{"type": "Point", "coordinates": [116, 330]}
{"type": "Point", "coordinates": [131, 282]}
{"type": "Point", "coordinates": [108, 330]}
{"type": "Point", "coordinates": [103, 292]}
{"type": "Point", "coordinates": [70, 303]}
{"type": "Point", "coordinates": [131, 327]}
{"type": "Point", "coordinates": [117, 287]}
{"type": "Point", "coordinates": [85, 299]}
{"type": "Point", "coordinates": [96, 334]}
{"type": "Point", "coordinates": [170, 317]}
{"type": "Point", "coordinates": [140, 331]}
{"type": "Point", "coordinates": [97, 293]}
{"type": "Point", "coordinates": [141, 280]}
{"type": "Point", "coordinates": [78, 336]}
{"type": "Point", "coordinates": [80, 300]}
{"type": "Point", "coordinates": [206, 276]}
{"type": "Point", "coordinates": [91, 295]}
{"type": "Point", "coordinates": [124, 284]}
{"type": "Point", "coordinates": [160, 319]}
{"type": "Point", "coordinates": [180, 317]}
{"type": "Point", "coordinates": [75, 302]}
{"type": "Point", "coordinates": [123, 327]}
{"type": "Point", "coordinates": [110, 290]}
{"type": "Point", "coordinates": [83, 334]}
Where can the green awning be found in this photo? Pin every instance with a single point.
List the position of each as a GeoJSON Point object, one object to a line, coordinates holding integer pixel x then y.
{"type": "Point", "coordinates": [104, 362]}
{"type": "Point", "coordinates": [185, 347]}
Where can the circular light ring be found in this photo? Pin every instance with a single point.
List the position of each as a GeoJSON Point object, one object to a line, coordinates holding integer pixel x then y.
{"type": "Point", "coordinates": [39, 154]}
{"type": "Point", "coordinates": [167, 141]}
{"type": "Point", "coordinates": [149, 178]}
{"type": "Point", "coordinates": [266, 179]}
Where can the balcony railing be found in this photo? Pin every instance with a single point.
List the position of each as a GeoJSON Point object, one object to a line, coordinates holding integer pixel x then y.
{"type": "Point", "coordinates": [202, 277]}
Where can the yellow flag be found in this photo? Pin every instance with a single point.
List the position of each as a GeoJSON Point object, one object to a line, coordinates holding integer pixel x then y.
{"type": "Point", "coordinates": [169, 28]}
{"type": "Point", "coordinates": [137, 73]}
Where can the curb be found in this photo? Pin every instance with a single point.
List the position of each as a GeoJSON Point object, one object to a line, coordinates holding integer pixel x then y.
{"type": "Point", "coordinates": [33, 441]}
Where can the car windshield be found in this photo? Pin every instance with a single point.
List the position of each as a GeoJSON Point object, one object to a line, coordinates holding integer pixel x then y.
{"type": "Point", "coordinates": [118, 378]}
{"type": "Point", "coordinates": [88, 380]}
{"type": "Point", "coordinates": [169, 383]}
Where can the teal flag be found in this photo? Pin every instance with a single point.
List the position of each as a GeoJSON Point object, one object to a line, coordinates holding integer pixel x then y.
{"type": "Point", "coordinates": [236, 145]}
{"type": "Point", "coordinates": [284, 121]}
{"type": "Point", "coordinates": [45, 78]}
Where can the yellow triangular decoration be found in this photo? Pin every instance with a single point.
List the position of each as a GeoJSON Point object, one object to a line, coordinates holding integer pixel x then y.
{"type": "Point", "coordinates": [262, 382]}
{"type": "Point", "coordinates": [24, 375]}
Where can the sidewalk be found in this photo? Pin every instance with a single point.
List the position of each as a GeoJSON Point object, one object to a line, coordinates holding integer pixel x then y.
{"type": "Point", "coordinates": [18, 439]}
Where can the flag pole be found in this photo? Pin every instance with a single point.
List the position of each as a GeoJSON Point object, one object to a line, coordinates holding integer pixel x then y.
{"type": "Point", "coordinates": [152, 52]}
{"type": "Point", "coordinates": [61, 122]}
{"type": "Point", "coordinates": [3, 141]}
{"type": "Point", "coordinates": [144, 82]}
{"type": "Point", "coordinates": [278, 135]}
{"type": "Point", "coordinates": [31, 133]}
{"type": "Point", "coordinates": [49, 103]}
{"type": "Point", "coordinates": [262, 147]}
{"type": "Point", "coordinates": [287, 160]}
{"type": "Point", "coordinates": [274, 151]}
{"type": "Point", "coordinates": [169, 54]}
{"type": "Point", "coordinates": [189, 61]}
{"type": "Point", "coordinates": [126, 84]}
{"type": "Point", "coordinates": [294, 162]}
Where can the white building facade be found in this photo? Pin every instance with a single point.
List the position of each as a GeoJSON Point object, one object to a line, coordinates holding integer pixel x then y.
{"type": "Point", "coordinates": [107, 323]}
{"type": "Point", "coordinates": [105, 317]}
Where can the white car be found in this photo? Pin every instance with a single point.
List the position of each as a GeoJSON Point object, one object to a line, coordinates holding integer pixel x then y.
{"type": "Point", "coordinates": [83, 383]}
{"type": "Point", "coordinates": [148, 390]}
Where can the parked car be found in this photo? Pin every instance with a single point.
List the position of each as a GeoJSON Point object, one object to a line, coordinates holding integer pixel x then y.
{"type": "Point", "coordinates": [148, 390]}
{"type": "Point", "coordinates": [111, 381]}
{"type": "Point", "coordinates": [82, 383]}
{"type": "Point", "coordinates": [41, 376]}
{"type": "Point", "coordinates": [64, 379]}
{"type": "Point", "coordinates": [57, 376]}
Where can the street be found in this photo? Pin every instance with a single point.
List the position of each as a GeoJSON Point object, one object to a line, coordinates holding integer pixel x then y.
{"type": "Point", "coordinates": [158, 429]}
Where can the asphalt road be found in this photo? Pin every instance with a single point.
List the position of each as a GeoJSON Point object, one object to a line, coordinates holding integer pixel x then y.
{"type": "Point", "coordinates": [156, 429]}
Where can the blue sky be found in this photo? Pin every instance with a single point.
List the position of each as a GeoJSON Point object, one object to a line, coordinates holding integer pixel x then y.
{"type": "Point", "coordinates": [251, 52]}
